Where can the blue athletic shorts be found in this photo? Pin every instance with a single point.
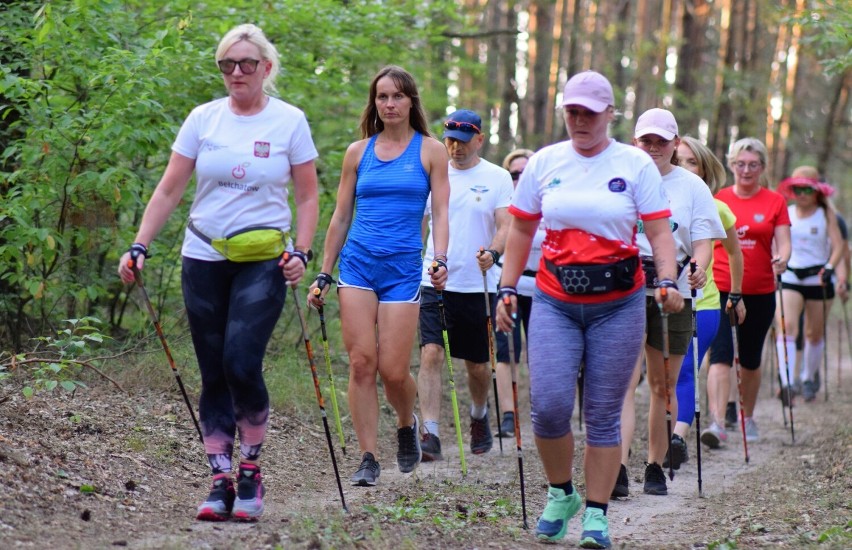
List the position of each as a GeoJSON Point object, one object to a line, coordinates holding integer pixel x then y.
{"type": "Point", "coordinates": [394, 279]}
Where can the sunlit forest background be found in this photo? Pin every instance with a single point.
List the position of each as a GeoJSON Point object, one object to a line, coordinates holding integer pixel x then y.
{"type": "Point", "coordinates": [93, 92]}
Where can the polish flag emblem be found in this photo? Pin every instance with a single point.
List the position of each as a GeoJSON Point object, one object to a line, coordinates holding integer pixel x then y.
{"type": "Point", "coordinates": [261, 149]}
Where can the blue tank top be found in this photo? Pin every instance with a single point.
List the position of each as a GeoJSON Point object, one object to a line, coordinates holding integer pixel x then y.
{"type": "Point", "coordinates": [390, 199]}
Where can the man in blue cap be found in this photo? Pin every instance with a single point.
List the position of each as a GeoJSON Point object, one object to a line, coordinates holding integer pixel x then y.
{"type": "Point", "coordinates": [480, 193]}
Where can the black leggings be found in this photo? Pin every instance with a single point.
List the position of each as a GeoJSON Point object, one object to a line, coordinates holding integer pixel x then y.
{"type": "Point", "coordinates": [232, 309]}
{"type": "Point", "coordinates": [760, 311]}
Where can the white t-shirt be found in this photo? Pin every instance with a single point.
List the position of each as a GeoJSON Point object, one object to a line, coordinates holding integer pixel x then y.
{"type": "Point", "coordinates": [811, 245]}
{"type": "Point", "coordinates": [694, 217]}
{"type": "Point", "coordinates": [589, 206]}
{"type": "Point", "coordinates": [475, 196]}
{"type": "Point", "coordinates": [242, 168]}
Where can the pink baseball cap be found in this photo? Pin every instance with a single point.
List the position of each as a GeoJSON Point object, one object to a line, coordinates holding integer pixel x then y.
{"type": "Point", "coordinates": [659, 122]}
{"type": "Point", "coordinates": [590, 90]}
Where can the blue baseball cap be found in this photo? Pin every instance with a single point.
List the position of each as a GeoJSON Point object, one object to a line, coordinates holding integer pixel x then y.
{"type": "Point", "coordinates": [462, 125]}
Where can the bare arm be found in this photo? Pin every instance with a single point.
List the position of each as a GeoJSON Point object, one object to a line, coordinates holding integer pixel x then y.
{"type": "Point", "coordinates": [502, 220]}
{"type": "Point", "coordinates": [702, 253]}
{"type": "Point", "coordinates": [306, 197]}
{"type": "Point", "coordinates": [439, 180]}
{"type": "Point", "coordinates": [731, 243]}
{"type": "Point", "coordinates": [519, 238]}
{"type": "Point", "coordinates": [163, 202]}
{"type": "Point", "coordinates": [783, 247]}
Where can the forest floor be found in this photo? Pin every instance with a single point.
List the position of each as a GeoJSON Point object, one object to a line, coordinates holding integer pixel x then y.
{"type": "Point", "coordinates": [101, 468]}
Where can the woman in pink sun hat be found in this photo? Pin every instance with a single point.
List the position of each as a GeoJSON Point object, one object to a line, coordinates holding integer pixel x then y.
{"type": "Point", "coordinates": [808, 285]}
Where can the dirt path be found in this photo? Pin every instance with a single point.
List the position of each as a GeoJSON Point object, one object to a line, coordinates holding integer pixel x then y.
{"type": "Point", "coordinates": [101, 470]}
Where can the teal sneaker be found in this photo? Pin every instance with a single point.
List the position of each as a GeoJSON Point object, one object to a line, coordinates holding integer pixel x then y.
{"type": "Point", "coordinates": [595, 529]}
{"type": "Point", "coordinates": [560, 508]}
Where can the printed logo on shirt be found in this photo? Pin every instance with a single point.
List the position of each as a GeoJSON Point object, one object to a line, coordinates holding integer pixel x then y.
{"type": "Point", "coordinates": [617, 185]}
{"type": "Point", "coordinates": [479, 190]}
{"type": "Point", "coordinates": [213, 147]}
{"type": "Point", "coordinates": [261, 149]}
{"type": "Point", "coordinates": [742, 230]}
{"type": "Point", "coordinates": [814, 230]}
{"type": "Point", "coordinates": [553, 183]}
{"type": "Point", "coordinates": [640, 227]}
{"type": "Point", "coordinates": [239, 171]}
{"type": "Point", "coordinates": [745, 243]}
{"type": "Point", "coordinates": [759, 217]}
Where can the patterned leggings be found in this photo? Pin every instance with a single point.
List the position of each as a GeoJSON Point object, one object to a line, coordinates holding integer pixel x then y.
{"type": "Point", "coordinates": [232, 309]}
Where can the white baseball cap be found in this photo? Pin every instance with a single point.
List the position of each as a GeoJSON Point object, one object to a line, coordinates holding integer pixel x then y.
{"type": "Point", "coordinates": [659, 122]}
{"type": "Point", "coordinates": [590, 90]}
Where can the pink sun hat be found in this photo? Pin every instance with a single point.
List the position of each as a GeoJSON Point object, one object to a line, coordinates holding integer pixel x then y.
{"type": "Point", "coordinates": [786, 186]}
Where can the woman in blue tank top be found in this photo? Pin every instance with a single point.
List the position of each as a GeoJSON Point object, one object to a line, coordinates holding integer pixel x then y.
{"type": "Point", "coordinates": [375, 231]}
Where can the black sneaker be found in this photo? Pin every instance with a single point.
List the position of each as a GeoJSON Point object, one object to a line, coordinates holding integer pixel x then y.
{"type": "Point", "coordinates": [430, 446]}
{"type": "Point", "coordinates": [481, 439]}
{"type": "Point", "coordinates": [368, 472]}
{"type": "Point", "coordinates": [408, 455]}
{"type": "Point", "coordinates": [248, 506]}
{"type": "Point", "coordinates": [219, 504]}
{"type": "Point", "coordinates": [507, 426]}
{"type": "Point", "coordinates": [622, 484]}
{"type": "Point", "coordinates": [731, 417]}
{"type": "Point", "coordinates": [679, 454]}
{"type": "Point", "coordinates": [655, 480]}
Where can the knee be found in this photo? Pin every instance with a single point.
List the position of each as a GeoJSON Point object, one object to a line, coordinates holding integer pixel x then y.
{"type": "Point", "coordinates": [431, 357]}
{"type": "Point", "coordinates": [551, 422]}
{"type": "Point", "coordinates": [362, 370]}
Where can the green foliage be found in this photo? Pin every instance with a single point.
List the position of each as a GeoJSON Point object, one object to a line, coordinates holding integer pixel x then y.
{"type": "Point", "coordinates": [58, 359]}
{"type": "Point", "coordinates": [827, 31]}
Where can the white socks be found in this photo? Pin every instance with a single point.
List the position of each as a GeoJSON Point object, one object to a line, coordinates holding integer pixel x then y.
{"type": "Point", "coordinates": [791, 358]}
{"type": "Point", "coordinates": [813, 360]}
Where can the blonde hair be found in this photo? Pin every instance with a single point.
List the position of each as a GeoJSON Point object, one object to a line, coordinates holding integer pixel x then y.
{"type": "Point", "coordinates": [710, 168]}
{"type": "Point", "coordinates": [755, 146]}
{"type": "Point", "coordinates": [516, 154]}
{"type": "Point", "coordinates": [253, 35]}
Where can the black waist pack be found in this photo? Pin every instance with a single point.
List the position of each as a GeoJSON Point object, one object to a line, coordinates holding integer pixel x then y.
{"type": "Point", "coordinates": [805, 272]}
{"type": "Point", "coordinates": [595, 278]}
{"type": "Point", "coordinates": [650, 270]}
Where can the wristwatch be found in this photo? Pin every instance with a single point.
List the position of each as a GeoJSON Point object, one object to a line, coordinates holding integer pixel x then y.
{"type": "Point", "coordinates": [309, 254]}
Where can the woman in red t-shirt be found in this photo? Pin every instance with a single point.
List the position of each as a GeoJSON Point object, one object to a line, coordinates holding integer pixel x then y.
{"type": "Point", "coordinates": [762, 220]}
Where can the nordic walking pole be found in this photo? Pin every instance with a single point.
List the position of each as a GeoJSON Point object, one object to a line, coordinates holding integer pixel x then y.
{"type": "Point", "coordinates": [665, 317]}
{"type": "Point", "coordinates": [338, 425]}
{"type": "Point", "coordinates": [825, 335]}
{"type": "Point", "coordinates": [692, 267]}
{"type": "Point", "coordinates": [320, 400]}
{"type": "Point", "coordinates": [514, 366]}
{"type": "Point", "coordinates": [839, 349]}
{"type": "Point", "coordinates": [776, 367]}
{"type": "Point", "coordinates": [848, 339]}
{"type": "Point", "coordinates": [491, 351]}
{"type": "Point", "coordinates": [732, 316]}
{"type": "Point", "coordinates": [789, 388]}
{"type": "Point", "coordinates": [581, 391]}
{"type": "Point", "coordinates": [131, 263]}
{"type": "Point", "coordinates": [453, 396]}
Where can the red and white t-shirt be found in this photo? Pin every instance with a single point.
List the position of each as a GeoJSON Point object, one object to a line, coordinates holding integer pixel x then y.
{"type": "Point", "coordinates": [757, 218]}
{"type": "Point", "coordinates": [589, 206]}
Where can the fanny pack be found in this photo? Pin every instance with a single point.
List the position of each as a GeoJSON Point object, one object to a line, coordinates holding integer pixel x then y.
{"type": "Point", "coordinates": [252, 244]}
{"type": "Point", "coordinates": [805, 272]}
{"type": "Point", "coordinates": [595, 278]}
{"type": "Point", "coordinates": [650, 270]}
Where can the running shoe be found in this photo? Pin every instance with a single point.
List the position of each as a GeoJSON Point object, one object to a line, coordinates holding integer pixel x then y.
{"type": "Point", "coordinates": [560, 508]}
{"type": "Point", "coordinates": [655, 480]}
{"type": "Point", "coordinates": [507, 426]}
{"type": "Point", "coordinates": [809, 390]}
{"type": "Point", "coordinates": [622, 484]}
{"type": "Point", "coordinates": [595, 529]}
{"type": "Point", "coordinates": [248, 506]}
{"type": "Point", "coordinates": [408, 454]}
{"type": "Point", "coordinates": [678, 451]}
{"type": "Point", "coordinates": [220, 502]}
{"type": "Point", "coordinates": [730, 415]}
{"type": "Point", "coordinates": [714, 436]}
{"type": "Point", "coordinates": [430, 446]}
{"type": "Point", "coordinates": [481, 439]}
{"type": "Point", "coordinates": [368, 472]}
{"type": "Point", "coordinates": [751, 433]}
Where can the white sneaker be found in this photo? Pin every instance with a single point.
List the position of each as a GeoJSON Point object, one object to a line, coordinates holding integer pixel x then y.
{"type": "Point", "coordinates": [714, 436]}
{"type": "Point", "coordinates": [751, 433]}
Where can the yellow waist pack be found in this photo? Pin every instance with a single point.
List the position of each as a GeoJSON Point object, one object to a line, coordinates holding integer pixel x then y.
{"type": "Point", "coordinates": [252, 244]}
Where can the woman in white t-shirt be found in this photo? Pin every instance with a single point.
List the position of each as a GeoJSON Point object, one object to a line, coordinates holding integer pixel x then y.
{"type": "Point", "coordinates": [244, 149]}
{"type": "Point", "coordinates": [809, 283]}
{"type": "Point", "coordinates": [589, 192]}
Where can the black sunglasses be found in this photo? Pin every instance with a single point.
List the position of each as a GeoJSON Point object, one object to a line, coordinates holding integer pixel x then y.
{"type": "Point", "coordinates": [247, 66]}
{"type": "Point", "coordinates": [463, 126]}
{"type": "Point", "coordinates": [516, 175]}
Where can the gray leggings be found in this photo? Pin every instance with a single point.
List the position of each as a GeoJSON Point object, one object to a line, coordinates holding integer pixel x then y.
{"type": "Point", "coordinates": [608, 338]}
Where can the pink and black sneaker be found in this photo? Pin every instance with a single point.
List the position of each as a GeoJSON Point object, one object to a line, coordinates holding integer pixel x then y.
{"type": "Point", "coordinates": [219, 504]}
{"type": "Point", "coordinates": [248, 505]}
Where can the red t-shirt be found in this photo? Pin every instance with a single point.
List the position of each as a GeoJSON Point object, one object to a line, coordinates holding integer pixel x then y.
{"type": "Point", "coordinates": [757, 218]}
